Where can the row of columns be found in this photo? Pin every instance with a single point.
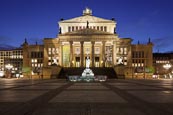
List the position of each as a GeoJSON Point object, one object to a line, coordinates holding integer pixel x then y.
{"type": "Point", "coordinates": [82, 53]}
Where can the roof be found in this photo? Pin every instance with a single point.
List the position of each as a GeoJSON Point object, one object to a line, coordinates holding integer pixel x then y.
{"type": "Point", "coordinates": [89, 18]}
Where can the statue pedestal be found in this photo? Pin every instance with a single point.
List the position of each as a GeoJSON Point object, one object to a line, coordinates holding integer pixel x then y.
{"type": "Point", "coordinates": [87, 72]}
{"type": "Point", "coordinates": [87, 75]}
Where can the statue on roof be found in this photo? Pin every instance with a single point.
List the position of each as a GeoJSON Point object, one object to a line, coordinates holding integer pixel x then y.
{"type": "Point", "coordinates": [87, 11]}
{"type": "Point", "coordinates": [26, 41]}
{"type": "Point", "coordinates": [87, 25]}
{"type": "Point", "coordinates": [60, 30]}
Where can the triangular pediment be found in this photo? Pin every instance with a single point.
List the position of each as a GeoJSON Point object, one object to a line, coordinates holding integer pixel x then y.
{"type": "Point", "coordinates": [89, 18]}
{"type": "Point", "coordinates": [88, 31]}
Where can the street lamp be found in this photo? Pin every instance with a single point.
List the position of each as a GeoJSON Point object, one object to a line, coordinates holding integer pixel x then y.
{"type": "Point", "coordinates": [167, 66]}
{"type": "Point", "coordinates": [8, 67]}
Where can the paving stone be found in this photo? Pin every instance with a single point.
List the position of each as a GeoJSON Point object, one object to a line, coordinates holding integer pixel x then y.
{"type": "Point", "coordinates": [88, 96]}
{"type": "Point", "coordinates": [19, 96]}
{"type": "Point", "coordinates": [87, 87]}
{"type": "Point", "coordinates": [59, 97]}
{"type": "Point", "coordinates": [137, 87]}
{"type": "Point", "coordinates": [38, 87]}
{"type": "Point", "coordinates": [154, 96]}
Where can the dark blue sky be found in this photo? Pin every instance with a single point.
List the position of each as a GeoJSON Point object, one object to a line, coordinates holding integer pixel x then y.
{"type": "Point", "coordinates": [137, 19]}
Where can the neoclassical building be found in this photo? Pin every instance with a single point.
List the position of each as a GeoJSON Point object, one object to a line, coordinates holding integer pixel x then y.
{"type": "Point", "coordinates": [88, 36]}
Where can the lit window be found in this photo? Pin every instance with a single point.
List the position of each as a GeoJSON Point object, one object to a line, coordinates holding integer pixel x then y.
{"type": "Point", "coordinates": [142, 64]}
{"type": "Point", "coordinates": [57, 50]}
{"type": "Point", "coordinates": [139, 64]}
{"type": "Point", "coordinates": [49, 49]}
{"type": "Point", "coordinates": [121, 50]}
{"type": "Point", "coordinates": [125, 50]}
{"type": "Point", "coordinates": [32, 60]}
{"type": "Point", "coordinates": [133, 64]}
{"type": "Point", "coordinates": [136, 65]}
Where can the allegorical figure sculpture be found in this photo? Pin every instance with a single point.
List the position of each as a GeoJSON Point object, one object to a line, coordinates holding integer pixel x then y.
{"type": "Point", "coordinates": [87, 25]}
{"type": "Point", "coordinates": [55, 60]}
{"type": "Point", "coordinates": [87, 63]}
{"type": "Point", "coordinates": [120, 60]}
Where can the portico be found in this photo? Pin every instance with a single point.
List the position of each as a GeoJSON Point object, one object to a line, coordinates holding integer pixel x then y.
{"type": "Point", "coordinates": [78, 51]}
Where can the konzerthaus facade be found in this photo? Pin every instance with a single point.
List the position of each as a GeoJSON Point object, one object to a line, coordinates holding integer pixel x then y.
{"type": "Point", "coordinates": [91, 36]}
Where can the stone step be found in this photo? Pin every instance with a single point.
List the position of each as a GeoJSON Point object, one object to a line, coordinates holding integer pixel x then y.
{"type": "Point", "coordinates": [108, 71]}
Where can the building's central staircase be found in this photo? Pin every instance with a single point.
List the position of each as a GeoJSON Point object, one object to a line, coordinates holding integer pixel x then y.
{"type": "Point", "coordinates": [108, 71]}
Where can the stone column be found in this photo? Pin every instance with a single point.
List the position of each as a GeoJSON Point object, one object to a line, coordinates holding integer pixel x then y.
{"type": "Point", "coordinates": [61, 49]}
{"type": "Point", "coordinates": [92, 53]}
{"type": "Point", "coordinates": [82, 60]}
{"type": "Point", "coordinates": [114, 53]}
{"type": "Point", "coordinates": [103, 52]}
{"type": "Point", "coordinates": [71, 53]}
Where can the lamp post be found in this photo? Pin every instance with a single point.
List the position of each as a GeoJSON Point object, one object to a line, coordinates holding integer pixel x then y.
{"type": "Point", "coordinates": [8, 72]}
{"type": "Point", "coordinates": [167, 67]}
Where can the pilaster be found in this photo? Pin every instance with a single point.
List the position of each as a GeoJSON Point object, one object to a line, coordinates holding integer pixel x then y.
{"type": "Point", "coordinates": [71, 53]}
{"type": "Point", "coordinates": [103, 50]}
{"type": "Point", "coordinates": [93, 53]}
{"type": "Point", "coordinates": [82, 59]}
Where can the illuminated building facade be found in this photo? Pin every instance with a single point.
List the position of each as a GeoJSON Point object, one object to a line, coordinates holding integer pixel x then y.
{"type": "Point", "coordinates": [91, 36]}
{"type": "Point", "coordinates": [13, 58]}
{"type": "Point", "coordinates": [162, 63]}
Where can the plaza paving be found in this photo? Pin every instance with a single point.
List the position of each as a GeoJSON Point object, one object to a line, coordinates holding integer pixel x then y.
{"type": "Point", "coordinates": [59, 97]}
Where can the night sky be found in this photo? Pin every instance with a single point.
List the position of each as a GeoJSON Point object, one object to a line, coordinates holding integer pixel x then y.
{"type": "Point", "coordinates": [137, 19]}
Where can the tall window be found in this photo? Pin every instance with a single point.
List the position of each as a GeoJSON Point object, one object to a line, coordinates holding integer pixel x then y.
{"type": "Point", "coordinates": [97, 27]}
{"type": "Point", "coordinates": [76, 27]}
{"type": "Point", "coordinates": [101, 28]}
{"type": "Point", "coordinates": [105, 28]}
{"type": "Point", "coordinates": [80, 27]}
{"type": "Point", "coordinates": [138, 59]}
{"type": "Point", "coordinates": [72, 28]}
{"type": "Point", "coordinates": [53, 55]}
{"type": "Point", "coordinates": [69, 29]}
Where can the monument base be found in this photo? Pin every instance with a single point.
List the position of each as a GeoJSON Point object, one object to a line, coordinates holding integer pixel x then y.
{"type": "Point", "coordinates": [87, 75]}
